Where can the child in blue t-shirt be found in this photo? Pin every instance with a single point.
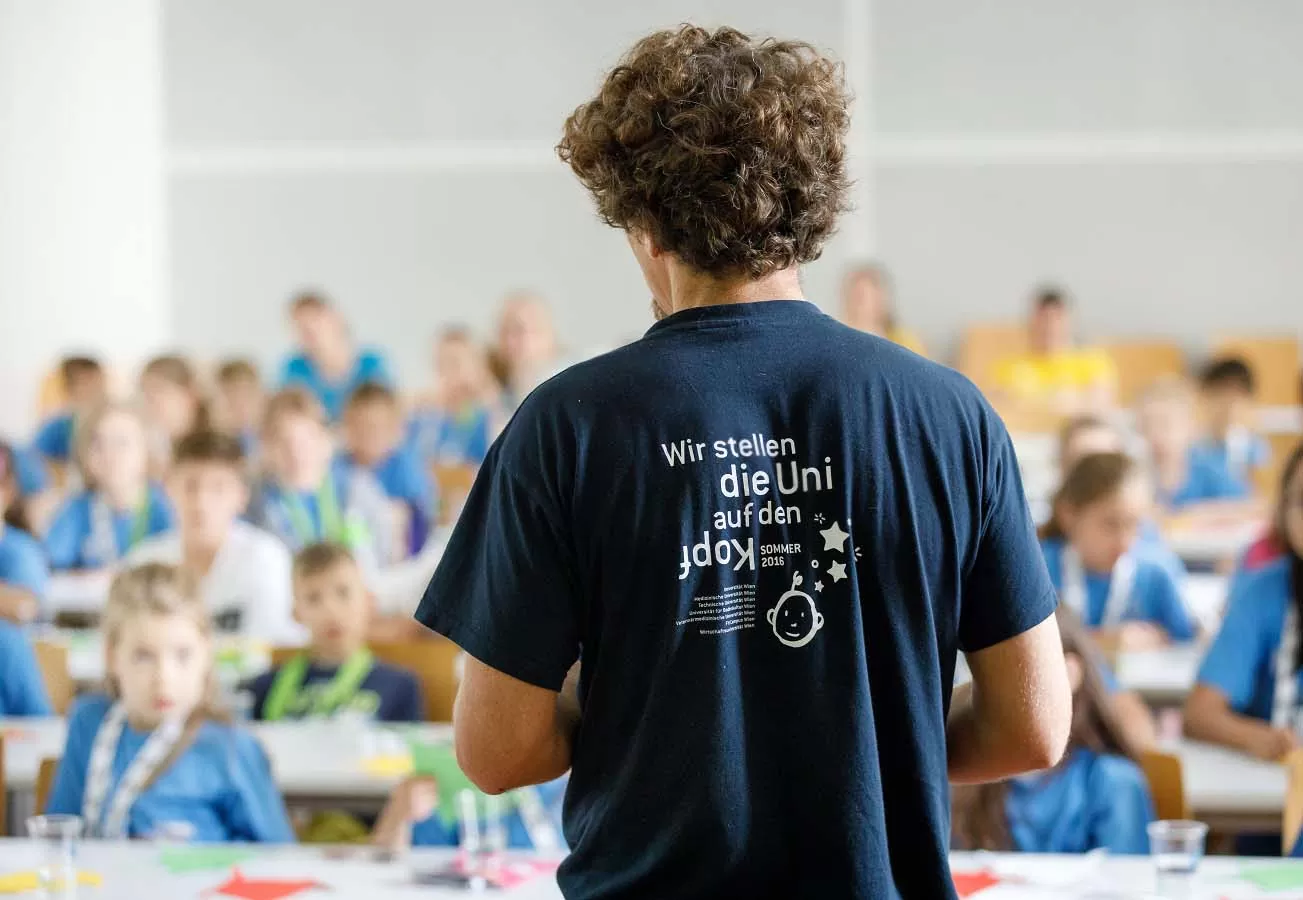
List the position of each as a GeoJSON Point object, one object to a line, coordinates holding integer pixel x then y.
{"type": "Point", "coordinates": [22, 688]}
{"type": "Point", "coordinates": [85, 388]}
{"type": "Point", "coordinates": [1097, 797]}
{"type": "Point", "coordinates": [1185, 479]}
{"type": "Point", "coordinates": [1227, 386]}
{"type": "Point", "coordinates": [1249, 687]}
{"type": "Point", "coordinates": [412, 817]}
{"type": "Point", "coordinates": [329, 366]}
{"type": "Point", "coordinates": [457, 426]}
{"type": "Point", "coordinates": [119, 506]}
{"type": "Point", "coordinates": [240, 403]}
{"type": "Point", "coordinates": [373, 436]}
{"type": "Point", "coordinates": [1090, 546]}
{"type": "Point", "coordinates": [154, 758]}
{"type": "Point", "coordinates": [336, 673]}
{"type": "Point", "coordinates": [306, 496]}
{"type": "Point", "coordinates": [24, 573]}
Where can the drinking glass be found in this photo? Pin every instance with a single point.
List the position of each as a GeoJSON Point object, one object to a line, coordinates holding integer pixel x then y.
{"type": "Point", "coordinates": [56, 838]}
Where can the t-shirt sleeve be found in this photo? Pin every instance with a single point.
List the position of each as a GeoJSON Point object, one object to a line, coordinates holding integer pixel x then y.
{"type": "Point", "coordinates": [1007, 590]}
{"type": "Point", "coordinates": [51, 440]}
{"type": "Point", "coordinates": [375, 368]}
{"type": "Point", "coordinates": [1167, 608]}
{"type": "Point", "coordinates": [33, 478]}
{"type": "Point", "coordinates": [1232, 663]}
{"type": "Point", "coordinates": [253, 809]}
{"type": "Point", "coordinates": [505, 590]}
{"type": "Point", "coordinates": [70, 777]}
{"type": "Point", "coordinates": [64, 538]}
{"type": "Point", "coordinates": [26, 568]}
{"type": "Point", "coordinates": [22, 689]}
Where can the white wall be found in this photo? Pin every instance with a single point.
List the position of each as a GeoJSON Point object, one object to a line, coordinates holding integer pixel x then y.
{"type": "Point", "coordinates": [82, 235]}
{"type": "Point", "coordinates": [398, 154]}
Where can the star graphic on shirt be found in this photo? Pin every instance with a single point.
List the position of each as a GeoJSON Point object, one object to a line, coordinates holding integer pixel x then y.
{"type": "Point", "coordinates": [834, 538]}
{"type": "Point", "coordinates": [818, 586]}
{"type": "Point", "coordinates": [837, 571]}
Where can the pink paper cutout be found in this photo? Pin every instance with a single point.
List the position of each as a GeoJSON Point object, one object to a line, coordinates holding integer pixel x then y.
{"type": "Point", "coordinates": [969, 883]}
{"type": "Point", "coordinates": [262, 888]}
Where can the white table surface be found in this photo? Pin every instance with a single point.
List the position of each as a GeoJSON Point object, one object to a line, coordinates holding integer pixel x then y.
{"type": "Point", "coordinates": [1162, 677]}
{"type": "Point", "coordinates": [1223, 782]}
{"type": "Point", "coordinates": [309, 760]}
{"type": "Point", "coordinates": [1212, 545]}
{"type": "Point", "coordinates": [131, 871]}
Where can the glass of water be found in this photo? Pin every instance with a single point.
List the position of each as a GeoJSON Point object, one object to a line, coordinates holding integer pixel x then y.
{"type": "Point", "coordinates": [1176, 848]}
{"type": "Point", "coordinates": [56, 839]}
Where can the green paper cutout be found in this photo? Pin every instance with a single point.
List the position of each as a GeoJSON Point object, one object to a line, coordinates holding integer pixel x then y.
{"type": "Point", "coordinates": [439, 761]}
{"type": "Point", "coordinates": [201, 857]}
{"type": "Point", "coordinates": [1280, 877]}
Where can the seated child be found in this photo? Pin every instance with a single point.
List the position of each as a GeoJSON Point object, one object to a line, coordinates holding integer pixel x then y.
{"type": "Point", "coordinates": [240, 401]}
{"type": "Point", "coordinates": [306, 497]}
{"type": "Point", "coordinates": [1096, 797]}
{"type": "Point", "coordinates": [1054, 375]}
{"type": "Point", "coordinates": [1227, 386]}
{"type": "Point", "coordinates": [336, 673]}
{"type": "Point", "coordinates": [459, 423]}
{"type": "Point", "coordinates": [24, 574]}
{"type": "Point", "coordinates": [1184, 479]}
{"type": "Point", "coordinates": [1090, 549]}
{"type": "Point", "coordinates": [411, 818]}
{"type": "Point", "coordinates": [1249, 686]}
{"type": "Point", "coordinates": [329, 365]}
{"type": "Point", "coordinates": [86, 389]}
{"type": "Point", "coordinates": [119, 507]}
{"type": "Point", "coordinates": [373, 436]}
{"type": "Point", "coordinates": [154, 758]}
{"type": "Point", "coordinates": [241, 572]}
{"type": "Point", "coordinates": [22, 687]}
{"type": "Point", "coordinates": [174, 406]}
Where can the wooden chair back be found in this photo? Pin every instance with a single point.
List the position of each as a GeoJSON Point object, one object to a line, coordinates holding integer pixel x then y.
{"type": "Point", "coordinates": [983, 346]}
{"type": "Point", "coordinates": [1141, 363]}
{"type": "Point", "coordinates": [432, 660]}
{"type": "Point", "coordinates": [1274, 361]}
{"type": "Point", "coordinates": [4, 790]}
{"type": "Point", "coordinates": [53, 662]}
{"type": "Point", "coordinates": [45, 782]}
{"type": "Point", "coordinates": [1292, 822]}
{"type": "Point", "coordinates": [454, 483]}
{"type": "Point", "coordinates": [1166, 785]}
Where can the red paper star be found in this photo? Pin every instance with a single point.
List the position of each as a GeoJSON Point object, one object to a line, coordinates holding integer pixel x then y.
{"type": "Point", "coordinates": [969, 883]}
{"type": "Point", "coordinates": [261, 888]}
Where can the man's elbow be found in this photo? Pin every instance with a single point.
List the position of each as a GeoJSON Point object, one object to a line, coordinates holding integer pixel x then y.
{"type": "Point", "coordinates": [492, 769]}
{"type": "Point", "coordinates": [1044, 744]}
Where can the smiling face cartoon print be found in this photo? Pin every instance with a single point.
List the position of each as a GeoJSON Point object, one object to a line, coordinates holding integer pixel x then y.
{"type": "Point", "coordinates": [795, 619]}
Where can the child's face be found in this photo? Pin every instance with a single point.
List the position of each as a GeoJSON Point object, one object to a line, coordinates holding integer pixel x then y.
{"type": "Point", "coordinates": [1106, 529]}
{"type": "Point", "coordinates": [372, 431]}
{"type": "Point", "coordinates": [460, 367]}
{"type": "Point", "coordinates": [240, 403]}
{"type": "Point", "coordinates": [208, 498]}
{"type": "Point", "coordinates": [298, 450]}
{"type": "Point", "coordinates": [525, 333]}
{"type": "Point", "coordinates": [161, 664]}
{"type": "Point", "coordinates": [118, 456]}
{"type": "Point", "coordinates": [1226, 407]}
{"type": "Point", "coordinates": [170, 407]}
{"type": "Point", "coordinates": [318, 329]}
{"type": "Point", "coordinates": [1086, 442]}
{"type": "Point", "coordinates": [1051, 330]}
{"type": "Point", "coordinates": [1167, 427]}
{"type": "Point", "coordinates": [87, 390]}
{"type": "Point", "coordinates": [335, 607]}
{"type": "Point", "coordinates": [1293, 500]}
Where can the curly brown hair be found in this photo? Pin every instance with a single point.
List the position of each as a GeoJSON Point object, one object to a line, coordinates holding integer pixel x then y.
{"type": "Point", "coordinates": [729, 152]}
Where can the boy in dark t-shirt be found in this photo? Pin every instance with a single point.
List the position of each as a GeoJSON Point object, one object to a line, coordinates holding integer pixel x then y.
{"type": "Point", "coordinates": [336, 673]}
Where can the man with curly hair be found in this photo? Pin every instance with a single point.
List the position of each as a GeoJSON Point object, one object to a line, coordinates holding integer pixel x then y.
{"type": "Point", "coordinates": [764, 535]}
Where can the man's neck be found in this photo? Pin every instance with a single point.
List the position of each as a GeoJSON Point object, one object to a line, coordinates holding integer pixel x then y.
{"type": "Point", "coordinates": [690, 289]}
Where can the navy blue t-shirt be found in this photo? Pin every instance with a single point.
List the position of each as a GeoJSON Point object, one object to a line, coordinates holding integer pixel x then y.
{"type": "Point", "coordinates": [766, 535]}
{"type": "Point", "coordinates": [387, 694]}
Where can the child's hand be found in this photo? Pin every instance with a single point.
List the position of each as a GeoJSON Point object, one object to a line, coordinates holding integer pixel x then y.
{"type": "Point", "coordinates": [413, 800]}
{"type": "Point", "coordinates": [1139, 636]}
{"type": "Point", "coordinates": [1272, 744]}
{"type": "Point", "coordinates": [421, 798]}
